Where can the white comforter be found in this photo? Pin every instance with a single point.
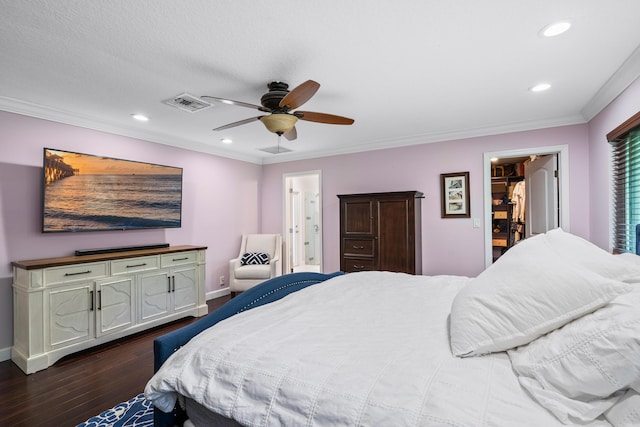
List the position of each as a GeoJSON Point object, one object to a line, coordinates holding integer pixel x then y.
{"type": "Point", "coordinates": [368, 349]}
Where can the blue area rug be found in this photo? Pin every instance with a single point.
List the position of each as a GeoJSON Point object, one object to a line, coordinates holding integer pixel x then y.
{"type": "Point", "coordinates": [135, 412]}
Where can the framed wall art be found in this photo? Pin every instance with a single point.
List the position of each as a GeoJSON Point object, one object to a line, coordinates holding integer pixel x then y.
{"type": "Point", "coordinates": [455, 195]}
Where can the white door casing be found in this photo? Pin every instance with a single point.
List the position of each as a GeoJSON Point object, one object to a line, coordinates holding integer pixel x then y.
{"type": "Point", "coordinates": [562, 152]}
{"type": "Point", "coordinates": [298, 189]}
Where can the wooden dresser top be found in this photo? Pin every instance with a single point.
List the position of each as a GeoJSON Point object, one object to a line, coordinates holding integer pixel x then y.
{"type": "Point", "coordinates": [75, 259]}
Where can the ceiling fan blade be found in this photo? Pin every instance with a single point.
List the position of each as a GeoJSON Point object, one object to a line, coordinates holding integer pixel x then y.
{"type": "Point", "coordinates": [238, 123]}
{"type": "Point", "coordinates": [299, 95]}
{"type": "Point", "coordinates": [240, 103]}
{"type": "Point", "coordinates": [292, 134]}
{"type": "Point", "coordinates": [331, 119]}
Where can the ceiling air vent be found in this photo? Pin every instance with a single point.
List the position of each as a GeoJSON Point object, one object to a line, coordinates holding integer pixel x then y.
{"type": "Point", "coordinates": [275, 149]}
{"type": "Point", "coordinates": [188, 103]}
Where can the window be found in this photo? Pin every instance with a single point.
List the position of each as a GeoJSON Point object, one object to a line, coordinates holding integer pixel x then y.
{"type": "Point", "coordinates": [625, 142]}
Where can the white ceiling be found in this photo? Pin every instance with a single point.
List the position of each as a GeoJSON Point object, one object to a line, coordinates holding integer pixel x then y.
{"type": "Point", "coordinates": [407, 71]}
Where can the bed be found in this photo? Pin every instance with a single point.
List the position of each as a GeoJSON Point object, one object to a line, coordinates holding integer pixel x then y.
{"type": "Point", "coordinates": [549, 335]}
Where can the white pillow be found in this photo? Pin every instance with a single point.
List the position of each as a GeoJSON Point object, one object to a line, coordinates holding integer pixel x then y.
{"type": "Point", "coordinates": [590, 256]}
{"type": "Point", "coordinates": [629, 257]}
{"type": "Point", "coordinates": [581, 370]}
{"type": "Point", "coordinates": [531, 290]}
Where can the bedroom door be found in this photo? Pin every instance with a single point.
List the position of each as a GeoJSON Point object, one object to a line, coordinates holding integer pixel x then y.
{"type": "Point", "coordinates": [541, 176]}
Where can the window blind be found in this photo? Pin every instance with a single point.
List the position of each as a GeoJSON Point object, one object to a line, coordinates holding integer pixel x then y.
{"type": "Point", "coordinates": [626, 189]}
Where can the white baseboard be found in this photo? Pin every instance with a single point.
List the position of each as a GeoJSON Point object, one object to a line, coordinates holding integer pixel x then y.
{"type": "Point", "coordinates": [217, 294]}
{"type": "Point", "coordinates": [5, 354]}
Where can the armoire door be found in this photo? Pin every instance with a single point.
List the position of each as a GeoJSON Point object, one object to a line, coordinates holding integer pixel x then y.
{"type": "Point", "coordinates": [395, 249]}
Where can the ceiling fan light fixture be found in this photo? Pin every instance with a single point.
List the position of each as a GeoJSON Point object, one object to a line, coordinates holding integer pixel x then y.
{"type": "Point", "coordinates": [279, 123]}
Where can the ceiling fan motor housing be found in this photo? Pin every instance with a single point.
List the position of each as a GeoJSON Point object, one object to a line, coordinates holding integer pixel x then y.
{"type": "Point", "coordinates": [271, 99]}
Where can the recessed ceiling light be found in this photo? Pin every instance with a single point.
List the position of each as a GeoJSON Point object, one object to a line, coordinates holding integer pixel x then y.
{"type": "Point", "coordinates": [555, 29]}
{"type": "Point", "coordinates": [226, 141]}
{"type": "Point", "coordinates": [140, 117]}
{"type": "Point", "coordinates": [540, 87]}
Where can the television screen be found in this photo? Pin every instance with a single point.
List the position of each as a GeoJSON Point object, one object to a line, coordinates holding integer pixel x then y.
{"type": "Point", "coordinates": [84, 192]}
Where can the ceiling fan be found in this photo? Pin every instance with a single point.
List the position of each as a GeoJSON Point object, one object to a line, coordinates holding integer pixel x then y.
{"type": "Point", "coordinates": [279, 101]}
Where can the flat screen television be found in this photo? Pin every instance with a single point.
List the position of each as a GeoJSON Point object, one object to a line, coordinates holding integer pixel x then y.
{"type": "Point", "coordinates": [84, 192]}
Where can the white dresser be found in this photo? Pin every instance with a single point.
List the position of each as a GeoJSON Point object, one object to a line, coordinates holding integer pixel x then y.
{"type": "Point", "coordinates": [63, 305]}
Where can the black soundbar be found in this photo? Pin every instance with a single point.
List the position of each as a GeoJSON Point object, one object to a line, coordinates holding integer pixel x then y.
{"type": "Point", "coordinates": [81, 252]}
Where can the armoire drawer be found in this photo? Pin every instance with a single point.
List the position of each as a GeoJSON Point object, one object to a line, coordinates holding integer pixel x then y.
{"type": "Point", "coordinates": [359, 247]}
{"type": "Point", "coordinates": [352, 265]}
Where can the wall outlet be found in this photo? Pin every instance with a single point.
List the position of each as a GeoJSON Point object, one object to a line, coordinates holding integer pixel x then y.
{"type": "Point", "coordinates": [221, 282]}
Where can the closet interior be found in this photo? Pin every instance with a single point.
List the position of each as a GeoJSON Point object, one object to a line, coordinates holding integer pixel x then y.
{"type": "Point", "coordinates": [508, 204]}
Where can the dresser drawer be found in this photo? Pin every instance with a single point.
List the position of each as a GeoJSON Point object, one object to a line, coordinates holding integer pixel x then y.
{"type": "Point", "coordinates": [71, 273]}
{"type": "Point", "coordinates": [351, 265]}
{"type": "Point", "coordinates": [134, 265]}
{"type": "Point", "coordinates": [178, 258]}
{"type": "Point", "coordinates": [358, 247]}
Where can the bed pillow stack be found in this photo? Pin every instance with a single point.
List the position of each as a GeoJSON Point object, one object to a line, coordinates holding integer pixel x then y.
{"type": "Point", "coordinates": [538, 286]}
{"type": "Point", "coordinates": [589, 366]}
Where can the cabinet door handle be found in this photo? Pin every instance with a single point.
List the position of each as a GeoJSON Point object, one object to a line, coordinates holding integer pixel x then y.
{"type": "Point", "coordinates": [75, 274]}
{"type": "Point", "coordinates": [174, 284]}
{"type": "Point", "coordinates": [137, 265]}
{"type": "Point", "coordinates": [91, 300]}
{"type": "Point", "coordinates": [99, 300]}
{"type": "Point", "coordinates": [358, 267]}
{"type": "Point", "coordinates": [358, 247]}
{"type": "Point", "coordinates": [169, 290]}
{"type": "Point", "coordinates": [180, 259]}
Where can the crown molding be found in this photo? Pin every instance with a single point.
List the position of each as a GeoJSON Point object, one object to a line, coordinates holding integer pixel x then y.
{"type": "Point", "coordinates": [17, 106]}
{"type": "Point", "coordinates": [432, 138]}
{"type": "Point", "coordinates": [624, 76]}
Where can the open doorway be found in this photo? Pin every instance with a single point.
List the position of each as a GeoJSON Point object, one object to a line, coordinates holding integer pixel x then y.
{"type": "Point", "coordinates": [303, 222]}
{"type": "Point", "coordinates": [503, 232]}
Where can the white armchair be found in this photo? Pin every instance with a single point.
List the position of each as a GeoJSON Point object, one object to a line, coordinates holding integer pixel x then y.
{"type": "Point", "coordinates": [253, 269]}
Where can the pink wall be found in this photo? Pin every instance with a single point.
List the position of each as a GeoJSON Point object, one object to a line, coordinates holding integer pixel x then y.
{"type": "Point", "coordinates": [221, 200]}
{"type": "Point", "coordinates": [450, 246]}
{"type": "Point", "coordinates": [625, 105]}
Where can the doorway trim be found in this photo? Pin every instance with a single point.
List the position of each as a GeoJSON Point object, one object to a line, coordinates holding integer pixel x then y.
{"type": "Point", "coordinates": [562, 151]}
{"type": "Point", "coordinates": [285, 217]}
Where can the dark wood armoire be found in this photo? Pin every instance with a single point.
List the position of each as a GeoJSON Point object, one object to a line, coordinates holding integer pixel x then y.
{"type": "Point", "coordinates": [381, 231]}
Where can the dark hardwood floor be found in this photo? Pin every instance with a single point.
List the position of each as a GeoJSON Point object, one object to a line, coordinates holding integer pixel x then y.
{"type": "Point", "coordinates": [83, 384]}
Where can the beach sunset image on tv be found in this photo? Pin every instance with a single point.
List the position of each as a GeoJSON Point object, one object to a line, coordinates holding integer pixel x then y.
{"type": "Point", "coordinates": [84, 192]}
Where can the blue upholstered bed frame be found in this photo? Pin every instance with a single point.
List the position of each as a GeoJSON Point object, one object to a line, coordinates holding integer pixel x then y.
{"type": "Point", "coordinates": [264, 293]}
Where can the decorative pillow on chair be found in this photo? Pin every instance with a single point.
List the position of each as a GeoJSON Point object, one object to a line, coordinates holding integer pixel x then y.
{"type": "Point", "coordinates": [254, 258]}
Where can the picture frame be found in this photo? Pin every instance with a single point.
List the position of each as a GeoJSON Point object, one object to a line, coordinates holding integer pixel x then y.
{"type": "Point", "coordinates": [455, 195]}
